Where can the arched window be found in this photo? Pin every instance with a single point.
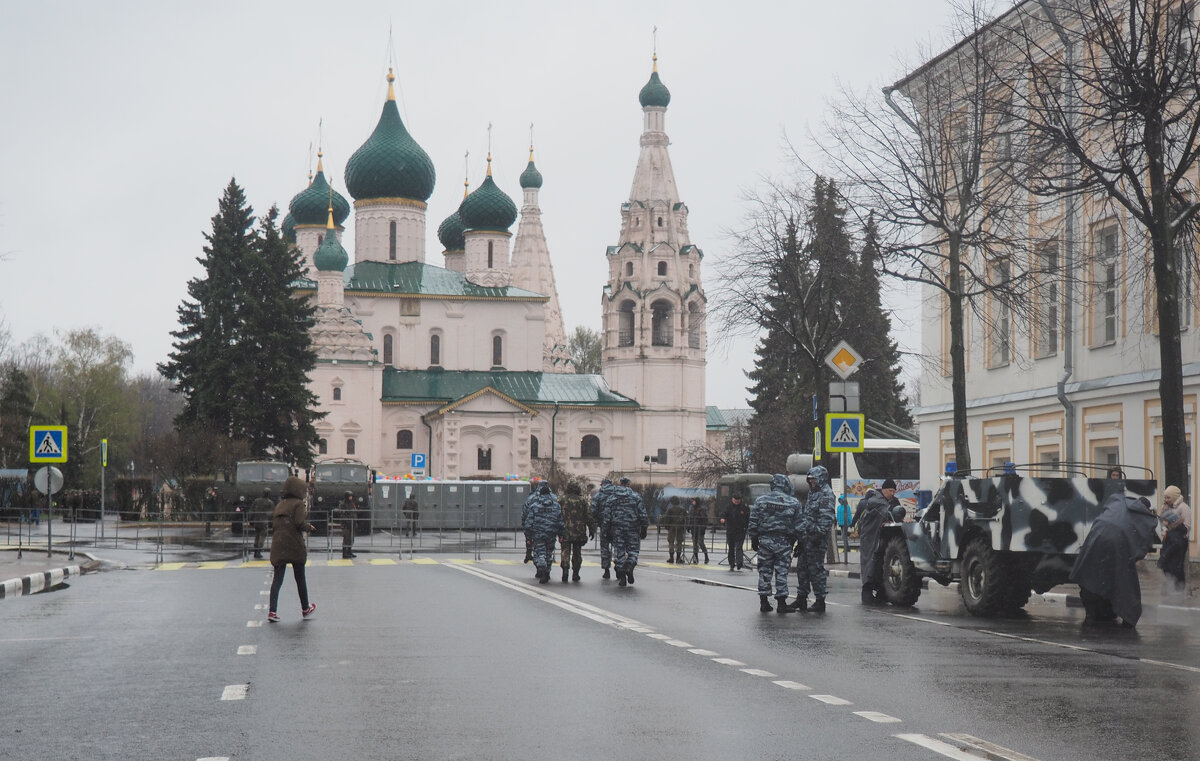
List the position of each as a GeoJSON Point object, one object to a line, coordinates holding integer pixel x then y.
{"type": "Point", "coordinates": [349, 446]}
{"type": "Point", "coordinates": [391, 242]}
{"type": "Point", "coordinates": [533, 447]}
{"type": "Point", "coordinates": [337, 394]}
{"type": "Point", "coordinates": [322, 446]}
{"type": "Point", "coordinates": [628, 269]}
{"type": "Point", "coordinates": [625, 324]}
{"type": "Point", "coordinates": [589, 446]}
{"type": "Point", "coordinates": [691, 270]}
{"type": "Point", "coordinates": [662, 269]}
{"type": "Point", "coordinates": [387, 350]}
{"type": "Point", "coordinates": [660, 221]}
{"type": "Point", "coordinates": [404, 439]}
{"type": "Point", "coordinates": [489, 254]}
{"type": "Point", "coordinates": [662, 327]}
{"type": "Point", "coordinates": [497, 351]}
{"type": "Point", "coordinates": [484, 458]}
{"type": "Point", "coordinates": [435, 349]}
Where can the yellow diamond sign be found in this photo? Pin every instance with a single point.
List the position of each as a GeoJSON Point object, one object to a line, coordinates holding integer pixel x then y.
{"type": "Point", "coordinates": [843, 360]}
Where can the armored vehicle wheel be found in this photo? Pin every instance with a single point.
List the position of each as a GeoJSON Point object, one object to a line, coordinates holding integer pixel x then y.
{"type": "Point", "coordinates": [984, 582]}
{"type": "Point", "coordinates": [901, 584]}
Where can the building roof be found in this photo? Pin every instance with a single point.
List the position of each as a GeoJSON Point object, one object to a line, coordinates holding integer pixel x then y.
{"type": "Point", "coordinates": [487, 208]}
{"type": "Point", "coordinates": [528, 388]}
{"type": "Point", "coordinates": [422, 280]}
{"type": "Point", "coordinates": [654, 92]}
{"type": "Point", "coordinates": [390, 164]}
{"type": "Point", "coordinates": [310, 206]}
{"type": "Point", "coordinates": [715, 421]}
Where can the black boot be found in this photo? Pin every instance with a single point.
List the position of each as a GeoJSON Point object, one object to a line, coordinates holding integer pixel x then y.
{"type": "Point", "coordinates": [565, 572]}
{"type": "Point", "coordinates": [629, 574]}
{"type": "Point", "coordinates": [763, 605]}
{"type": "Point", "coordinates": [606, 574]}
{"type": "Point", "coordinates": [818, 606]}
{"type": "Point", "coordinates": [670, 557]}
{"type": "Point", "coordinates": [575, 575]}
{"type": "Point", "coordinates": [544, 576]}
{"type": "Point", "coordinates": [345, 553]}
{"type": "Point", "coordinates": [801, 604]}
{"type": "Point", "coordinates": [706, 558]}
{"type": "Point", "coordinates": [868, 594]}
{"type": "Point", "coordinates": [258, 555]}
{"type": "Point", "coordinates": [620, 578]}
{"type": "Point", "coordinates": [782, 606]}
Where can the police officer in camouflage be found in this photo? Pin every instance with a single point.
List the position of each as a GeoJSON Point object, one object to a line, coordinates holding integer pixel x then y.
{"type": "Point", "coordinates": [542, 519]}
{"type": "Point", "coordinates": [580, 526]}
{"type": "Point", "coordinates": [260, 514]}
{"type": "Point", "coordinates": [600, 510]}
{"type": "Point", "coordinates": [774, 523]}
{"type": "Point", "coordinates": [627, 523]}
{"type": "Point", "coordinates": [816, 518]}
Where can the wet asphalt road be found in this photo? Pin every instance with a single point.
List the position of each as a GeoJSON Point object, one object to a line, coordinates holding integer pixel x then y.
{"type": "Point", "coordinates": [452, 659]}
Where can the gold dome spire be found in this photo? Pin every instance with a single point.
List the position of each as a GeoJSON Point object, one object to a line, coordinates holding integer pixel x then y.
{"type": "Point", "coordinates": [391, 78]}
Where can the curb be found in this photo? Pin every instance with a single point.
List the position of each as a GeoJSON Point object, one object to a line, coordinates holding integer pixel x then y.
{"type": "Point", "coordinates": [37, 582]}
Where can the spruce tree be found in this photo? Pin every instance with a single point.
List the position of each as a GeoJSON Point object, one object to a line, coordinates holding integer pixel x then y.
{"type": "Point", "coordinates": [16, 415]}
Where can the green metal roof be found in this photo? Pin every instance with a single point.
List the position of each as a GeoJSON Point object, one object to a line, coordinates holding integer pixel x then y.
{"type": "Point", "coordinates": [450, 232]}
{"type": "Point", "coordinates": [487, 208]}
{"type": "Point", "coordinates": [420, 279]}
{"type": "Point", "coordinates": [311, 205]}
{"type": "Point", "coordinates": [531, 177]}
{"type": "Point", "coordinates": [330, 255]}
{"type": "Point", "coordinates": [529, 388]}
{"type": "Point", "coordinates": [390, 164]}
{"type": "Point", "coordinates": [655, 93]}
{"type": "Point", "coordinates": [714, 420]}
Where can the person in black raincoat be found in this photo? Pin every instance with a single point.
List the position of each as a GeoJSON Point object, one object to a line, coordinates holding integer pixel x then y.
{"type": "Point", "coordinates": [870, 515]}
{"type": "Point", "coordinates": [1106, 567]}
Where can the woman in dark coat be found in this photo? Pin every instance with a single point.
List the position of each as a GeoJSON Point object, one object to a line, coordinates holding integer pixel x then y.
{"type": "Point", "coordinates": [1106, 567]}
{"type": "Point", "coordinates": [290, 521]}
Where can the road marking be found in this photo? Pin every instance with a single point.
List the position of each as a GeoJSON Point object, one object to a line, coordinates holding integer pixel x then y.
{"type": "Point", "coordinates": [235, 692]}
{"type": "Point", "coordinates": [986, 749]}
{"type": "Point", "coordinates": [43, 639]}
{"type": "Point", "coordinates": [381, 561]}
{"type": "Point", "coordinates": [339, 562]}
{"type": "Point", "coordinates": [265, 591]}
{"type": "Point", "coordinates": [878, 718]}
{"type": "Point", "coordinates": [169, 566]}
{"type": "Point", "coordinates": [252, 624]}
{"type": "Point", "coordinates": [499, 561]}
{"type": "Point", "coordinates": [1080, 648]}
{"type": "Point", "coordinates": [922, 620]}
{"type": "Point", "coordinates": [247, 649]}
{"type": "Point", "coordinates": [728, 662]}
{"type": "Point", "coordinates": [212, 565]}
{"type": "Point", "coordinates": [757, 672]}
{"type": "Point", "coordinates": [260, 606]}
{"type": "Point", "coordinates": [678, 643]}
{"type": "Point", "coordinates": [792, 685]}
{"type": "Point", "coordinates": [1170, 665]}
{"type": "Point", "coordinates": [425, 561]}
{"type": "Point", "coordinates": [639, 629]}
{"type": "Point", "coordinates": [657, 635]}
{"type": "Point", "coordinates": [832, 700]}
{"type": "Point", "coordinates": [702, 651]}
{"type": "Point", "coordinates": [214, 758]}
{"type": "Point", "coordinates": [255, 564]}
{"type": "Point", "coordinates": [947, 750]}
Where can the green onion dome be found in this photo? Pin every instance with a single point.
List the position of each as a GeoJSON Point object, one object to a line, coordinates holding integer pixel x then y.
{"type": "Point", "coordinates": [655, 93]}
{"type": "Point", "coordinates": [531, 177]}
{"type": "Point", "coordinates": [488, 208]}
{"type": "Point", "coordinates": [390, 164]}
{"type": "Point", "coordinates": [309, 205]}
{"type": "Point", "coordinates": [288, 228]}
{"type": "Point", "coordinates": [330, 256]}
{"type": "Point", "coordinates": [450, 232]}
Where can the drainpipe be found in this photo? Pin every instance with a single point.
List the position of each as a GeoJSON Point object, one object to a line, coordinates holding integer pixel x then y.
{"type": "Point", "coordinates": [553, 437]}
{"type": "Point", "coordinates": [429, 456]}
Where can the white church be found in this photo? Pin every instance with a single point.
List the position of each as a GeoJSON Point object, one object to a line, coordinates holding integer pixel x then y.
{"type": "Point", "coordinates": [464, 359]}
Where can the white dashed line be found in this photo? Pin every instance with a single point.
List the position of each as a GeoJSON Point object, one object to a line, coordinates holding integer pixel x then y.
{"type": "Point", "coordinates": [214, 758]}
{"type": "Point", "coordinates": [678, 643]}
{"type": "Point", "coordinates": [728, 662]}
{"type": "Point", "coordinates": [757, 672]}
{"type": "Point", "coordinates": [656, 635]}
{"type": "Point", "coordinates": [878, 718]}
{"type": "Point", "coordinates": [832, 700]}
{"type": "Point", "coordinates": [702, 651]}
{"type": "Point", "coordinates": [792, 685]}
{"type": "Point", "coordinates": [265, 592]}
{"type": "Point", "coordinates": [235, 692]}
{"type": "Point", "coordinates": [252, 624]}
{"type": "Point", "coordinates": [947, 750]}
{"type": "Point", "coordinates": [922, 620]}
{"type": "Point", "coordinates": [247, 649]}
{"type": "Point", "coordinates": [261, 606]}
{"type": "Point", "coordinates": [984, 749]}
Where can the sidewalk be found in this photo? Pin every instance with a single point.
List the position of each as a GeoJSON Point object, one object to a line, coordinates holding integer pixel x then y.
{"type": "Point", "coordinates": [36, 570]}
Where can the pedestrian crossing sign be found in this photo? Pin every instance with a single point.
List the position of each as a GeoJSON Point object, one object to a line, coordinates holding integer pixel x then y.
{"type": "Point", "coordinates": [844, 431]}
{"type": "Point", "coordinates": [47, 443]}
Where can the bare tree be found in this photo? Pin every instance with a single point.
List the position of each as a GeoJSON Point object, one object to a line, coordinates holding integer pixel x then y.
{"type": "Point", "coordinates": [704, 465]}
{"type": "Point", "coordinates": [926, 157]}
{"type": "Point", "coordinates": [1109, 92]}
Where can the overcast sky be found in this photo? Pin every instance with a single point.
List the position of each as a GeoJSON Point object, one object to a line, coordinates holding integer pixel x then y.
{"type": "Point", "coordinates": [124, 121]}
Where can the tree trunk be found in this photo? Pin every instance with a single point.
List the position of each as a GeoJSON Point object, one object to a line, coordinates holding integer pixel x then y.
{"type": "Point", "coordinates": [958, 363]}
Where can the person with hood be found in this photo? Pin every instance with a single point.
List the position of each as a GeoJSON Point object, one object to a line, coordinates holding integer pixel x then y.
{"type": "Point", "coordinates": [774, 521]}
{"type": "Point", "coordinates": [736, 520]}
{"type": "Point", "coordinates": [674, 520]}
{"type": "Point", "coordinates": [289, 521]}
{"type": "Point", "coordinates": [1176, 518]}
{"type": "Point", "coordinates": [627, 523]}
{"type": "Point", "coordinates": [580, 526]}
{"type": "Point", "coordinates": [816, 518]}
{"type": "Point", "coordinates": [542, 519]}
{"type": "Point", "coordinates": [260, 514]}
{"type": "Point", "coordinates": [600, 510]}
{"type": "Point", "coordinates": [870, 515]}
{"type": "Point", "coordinates": [1106, 567]}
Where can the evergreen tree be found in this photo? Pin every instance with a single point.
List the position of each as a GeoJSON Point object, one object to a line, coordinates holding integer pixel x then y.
{"type": "Point", "coordinates": [16, 415]}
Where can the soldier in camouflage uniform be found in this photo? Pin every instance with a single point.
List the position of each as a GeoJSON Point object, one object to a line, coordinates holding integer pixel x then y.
{"type": "Point", "coordinates": [600, 510]}
{"type": "Point", "coordinates": [542, 519]}
{"type": "Point", "coordinates": [344, 514]}
{"type": "Point", "coordinates": [774, 523]}
{"type": "Point", "coordinates": [580, 526]}
{"type": "Point", "coordinates": [816, 519]}
{"type": "Point", "coordinates": [260, 514]}
{"type": "Point", "coordinates": [627, 523]}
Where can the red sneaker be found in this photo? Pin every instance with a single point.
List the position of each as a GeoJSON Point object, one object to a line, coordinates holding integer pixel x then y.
{"type": "Point", "coordinates": [311, 609]}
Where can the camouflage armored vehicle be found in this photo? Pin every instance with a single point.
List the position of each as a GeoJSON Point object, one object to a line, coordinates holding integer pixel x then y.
{"type": "Point", "coordinates": [1001, 537]}
{"type": "Point", "coordinates": [332, 479]}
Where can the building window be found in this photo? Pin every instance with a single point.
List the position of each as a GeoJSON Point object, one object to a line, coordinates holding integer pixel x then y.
{"type": "Point", "coordinates": [589, 446]}
{"type": "Point", "coordinates": [489, 254]}
{"type": "Point", "coordinates": [691, 270]}
{"type": "Point", "coordinates": [1047, 326]}
{"type": "Point", "coordinates": [1000, 315]}
{"type": "Point", "coordinates": [660, 221]}
{"type": "Point", "coordinates": [322, 446]}
{"type": "Point", "coordinates": [1105, 288]}
{"type": "Point", "coordinates": [628, 269]}
{"type": "Point", "coordinates": [387, 350]}
{"type": "Point", "coordinates": [484, 458]}
{"type": "Point", "coordinates": [349, 446]}
{"type": "Point", "coordinates": [337, 394]}
{"type": "Point", "coordinates": [625, 324]}
{"type": "Point", "coordinates": [533, 447]}
{"type": "Point", "coordinates": [404, 439]}
{"type": "Point", "coordinates": [662, 269]}
{"type": "Point", "coordinates": [391, 241]}
{"type": "Point", "coordinates": [435, 350]}
{"type": "Point", "coordinates": [497, 351]}
{"type": "Point", "coordinates": [661, 324]}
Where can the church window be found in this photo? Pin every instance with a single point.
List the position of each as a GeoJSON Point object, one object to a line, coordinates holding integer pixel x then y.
{"type": "Point", "coordinates": [660, 221]}
{"type": "Point", "coordinates": [435, 349]}
{"type": "Point", "coordinates": [662, 269]}
{"type": "Point", "coordinates": [489, 254]}
{"type": "Point", "coordinates": [691, 270]}
{"type": "Point", "coordinates": [484, 458]}
{"type": "Point", "coordinates": [404, 439]}
{"type": "Point", "coordinates": [625, 324]}
{"type": "Point", "coordinates": [387, 350]}
{"type": "Point", "coordinates": [497, 351]}
{"type": "Point", "coordinates": [391, 242]}
{"type": "Point", "coordinates": [628, 269]}
{"type": "Point", "coordinates": [322, 446]}
{"type": "Point", "coordinates": [337, 394]}
{"type": "Point", "coordinates": [661, 324]}
{"type": "Point", "coordinates": [589, 446]}
{"type": "Point", "coordinates": [349, 446]}
{"type": "Point", "coordinates": [533, 447]}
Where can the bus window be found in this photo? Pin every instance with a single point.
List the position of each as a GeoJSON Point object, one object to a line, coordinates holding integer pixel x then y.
{"type": "Point", "coordinates": [878, 464]}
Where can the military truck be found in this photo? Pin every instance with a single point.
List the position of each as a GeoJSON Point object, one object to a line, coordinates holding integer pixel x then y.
{"type": "Point", "coordinates": [1001, 536]}
{"type": "Point", "coordinates": [331, 480]}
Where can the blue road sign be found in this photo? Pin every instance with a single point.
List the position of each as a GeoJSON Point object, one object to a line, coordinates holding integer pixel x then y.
{"type": "Point", "coordinates": [844, 431]}
{"type": "Point", "coordinates": [47, 443]}
{"type": "Point", "coordinates": [418, 460]}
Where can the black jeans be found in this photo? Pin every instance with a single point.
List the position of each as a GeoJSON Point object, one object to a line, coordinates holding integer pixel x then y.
{"type": "Point", "coordinates": [277, 582]}
{"type": "Point", "coordinates": [737, 541]}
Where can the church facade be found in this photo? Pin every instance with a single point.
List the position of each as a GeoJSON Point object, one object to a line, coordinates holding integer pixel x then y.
{"type": "Point", "coordinates": [465, 360]}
